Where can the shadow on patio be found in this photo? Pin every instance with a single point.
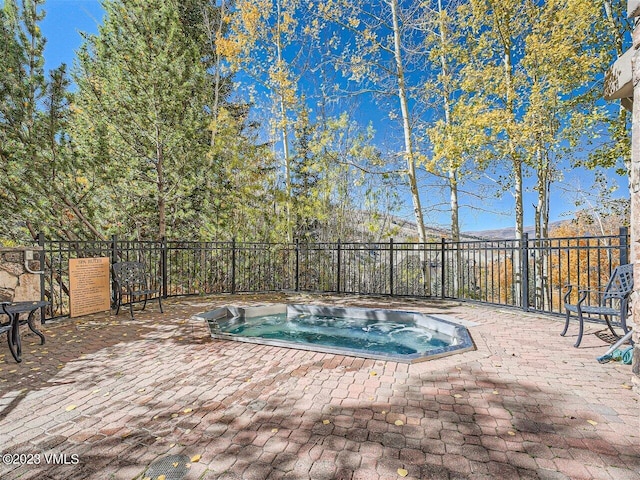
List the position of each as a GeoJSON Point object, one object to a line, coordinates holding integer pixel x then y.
{"type": "Point", "coordinates": [250, 411]}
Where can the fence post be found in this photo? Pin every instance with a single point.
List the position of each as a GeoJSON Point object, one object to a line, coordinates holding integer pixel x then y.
{"type": "Point", "coordinates": [297, 265]}
{"type": "Point", "coordinates": [339, 265]}
{"type": "Point", "coordinates": [624, 245]}
{"type": "Point", "coordinates": [233, 265]}
{"type": "Point", "coordinates": [443, 275]}
{"type": "Point", "coordinates": [43, 268]}
{"type": "Point", "coordinates": [391, 266]}
{"type": "Point", "coordinates": [114, 249]}
{"type": "Point", "coordinates": [163, 260]}
{"type": "Point", "coordinates": [524, 277]}
{"type": "Point", "coordinates": [114, 259]}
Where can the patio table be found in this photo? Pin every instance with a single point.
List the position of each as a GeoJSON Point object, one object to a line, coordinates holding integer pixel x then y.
{"type": "Point", "coordinates": [12, 326]}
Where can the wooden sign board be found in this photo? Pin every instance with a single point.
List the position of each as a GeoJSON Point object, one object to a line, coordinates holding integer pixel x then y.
{"type": "Point", "coordinates": [88, 286]}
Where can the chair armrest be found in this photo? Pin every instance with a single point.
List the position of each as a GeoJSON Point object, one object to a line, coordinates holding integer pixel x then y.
{"type": "Point", "coordinates": [602, 292]}
{"type": "Point", "coordinates": [569, 288]}
{"type": "Point", "coordinates": [582, 294]}
{"type": "Point", "coordinates": [587, 293]}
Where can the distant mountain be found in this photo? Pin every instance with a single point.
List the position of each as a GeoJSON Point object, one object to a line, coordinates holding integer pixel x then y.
{"type": "Point", "coordinates": [406, 230]}
{"type": "Point", "coordinates": [509, 233]}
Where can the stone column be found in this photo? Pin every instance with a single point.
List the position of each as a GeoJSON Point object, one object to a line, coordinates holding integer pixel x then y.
{"type": "Point", "coordinates": [16, 282]}
{"type": "Point", "coordinates": [634, 191]}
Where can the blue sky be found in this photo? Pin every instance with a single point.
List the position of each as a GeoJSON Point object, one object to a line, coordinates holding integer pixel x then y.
{"type": "Point", "coordinates": [66, 18]}
{"type": "Point", "coordinates": [61, 27]}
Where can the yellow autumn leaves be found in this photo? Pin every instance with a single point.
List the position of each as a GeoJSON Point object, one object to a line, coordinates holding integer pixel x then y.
{"type": "Point", "coordinates": [249, 25]}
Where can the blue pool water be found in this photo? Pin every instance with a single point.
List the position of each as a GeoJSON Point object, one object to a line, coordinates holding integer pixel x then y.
{"type": "Point", "coordinates": [353, 333]}
{"type": "Point", "coordinates": [362, 332]}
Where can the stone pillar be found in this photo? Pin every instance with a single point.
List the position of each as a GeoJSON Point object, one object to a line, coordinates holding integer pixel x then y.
{"type": "Point", "coordinates": [634, 191]}
{"type": "Point", "coordinates": [16, 282]}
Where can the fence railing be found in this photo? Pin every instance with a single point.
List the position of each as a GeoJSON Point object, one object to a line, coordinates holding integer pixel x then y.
{"type": "Point", "coordinates": [529, 274]}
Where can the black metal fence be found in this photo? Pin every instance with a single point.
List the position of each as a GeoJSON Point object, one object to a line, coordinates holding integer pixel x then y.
{"type": "Point", "coordinates": [528, 274]}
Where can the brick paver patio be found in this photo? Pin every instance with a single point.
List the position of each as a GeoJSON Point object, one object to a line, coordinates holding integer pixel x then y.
{"type": "Point", "coordinates": [116, 395]}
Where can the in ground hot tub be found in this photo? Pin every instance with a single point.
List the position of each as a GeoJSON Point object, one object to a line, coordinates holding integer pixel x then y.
{"type": "Point", "coordinates": [361, 332]}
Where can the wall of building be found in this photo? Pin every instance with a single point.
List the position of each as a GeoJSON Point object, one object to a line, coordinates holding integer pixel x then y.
{"type": "Point", "coordinates": [634, 191]}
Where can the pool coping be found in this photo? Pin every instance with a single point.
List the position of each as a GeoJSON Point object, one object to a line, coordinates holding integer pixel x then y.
{"type": "Point", "coordinates": [438, 323]}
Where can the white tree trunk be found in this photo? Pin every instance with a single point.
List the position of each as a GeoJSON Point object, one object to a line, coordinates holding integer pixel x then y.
{"type": "Point", "coordinates": [406, 125]}
{"type": "Point", "coordinates": [285, 139]}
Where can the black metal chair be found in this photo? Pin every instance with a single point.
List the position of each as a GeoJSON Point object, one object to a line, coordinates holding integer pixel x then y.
{"type": "Point", "coordinates": [12, 326]}
{"type": "Point", "coordinates": [132, 279]}
{"type": "Point", "coordinates": [613, 301]}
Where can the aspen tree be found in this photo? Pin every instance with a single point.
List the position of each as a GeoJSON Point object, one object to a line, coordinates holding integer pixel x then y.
{"type": "Point", "coordinates": [373, 48]}
{"type": "Point", "coordinates": [264, 41]}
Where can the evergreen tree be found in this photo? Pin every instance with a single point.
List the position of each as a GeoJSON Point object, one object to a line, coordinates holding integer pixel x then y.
{"type": "Point", "coordinates": [140, 111]}
{"type": "Point", "coordinates": [305, 180]}
{"type": "Point", "coordinates": [44, 188]}
{"type": "Point", "coordinates": [22, 86]}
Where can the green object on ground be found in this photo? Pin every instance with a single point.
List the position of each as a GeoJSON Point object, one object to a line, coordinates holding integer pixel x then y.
{"type": "Point", "coordinates": [625, 356]}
